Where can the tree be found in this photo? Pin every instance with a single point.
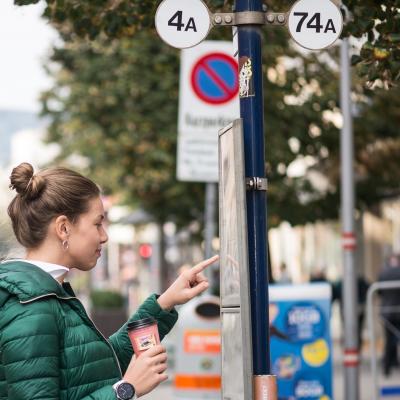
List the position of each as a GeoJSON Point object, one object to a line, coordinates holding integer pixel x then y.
{"type": "Point", "coordinates": [115, 102]}
{"type": "Point", "coordinates": [377, 20]}
{"type": "Point", "coordinates": [379, 23]}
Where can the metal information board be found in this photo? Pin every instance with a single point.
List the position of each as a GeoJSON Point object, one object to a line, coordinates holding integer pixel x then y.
{"type": "Point", "coordinates": [237, 370]}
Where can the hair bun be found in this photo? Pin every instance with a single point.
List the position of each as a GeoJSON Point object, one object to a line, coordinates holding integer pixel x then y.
{"type": "Point", "coordinates": [26, 184]}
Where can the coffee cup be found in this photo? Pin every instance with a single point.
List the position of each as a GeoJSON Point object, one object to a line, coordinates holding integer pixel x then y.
{"type": "Point", "coordinates": [143, 334]}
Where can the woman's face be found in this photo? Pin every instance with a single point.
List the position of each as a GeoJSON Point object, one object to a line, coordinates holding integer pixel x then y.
{"type": "Point", "coordinates": [86, 237]}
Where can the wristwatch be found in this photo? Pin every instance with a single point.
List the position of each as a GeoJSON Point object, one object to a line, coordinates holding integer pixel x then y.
{"type": "Point", "coordinates": [124, 390]}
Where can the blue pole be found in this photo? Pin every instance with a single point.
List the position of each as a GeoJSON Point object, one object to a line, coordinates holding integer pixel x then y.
{"type": "Point", "coordinates": [251, 111]}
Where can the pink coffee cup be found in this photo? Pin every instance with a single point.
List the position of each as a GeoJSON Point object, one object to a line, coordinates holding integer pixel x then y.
{"type": "Point", "coordinates": [143, 334]}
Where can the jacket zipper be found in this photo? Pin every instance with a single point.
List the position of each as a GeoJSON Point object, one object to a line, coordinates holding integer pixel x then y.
{"type": "Point", "coordinates": [97, 329]}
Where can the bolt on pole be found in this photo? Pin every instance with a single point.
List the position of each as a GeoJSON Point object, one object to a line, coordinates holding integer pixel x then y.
{"type": "Point", "coordinates": [349, 287]}
{"type": "Point", "coordinates": [251, 111]}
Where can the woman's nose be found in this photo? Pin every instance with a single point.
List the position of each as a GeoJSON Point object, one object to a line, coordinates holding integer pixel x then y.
{"type": "Point", "coordinates": [104, 238]}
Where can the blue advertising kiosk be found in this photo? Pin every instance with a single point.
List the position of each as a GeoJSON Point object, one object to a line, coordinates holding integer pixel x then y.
{"type": "Point", "coordinates": [301, 346]}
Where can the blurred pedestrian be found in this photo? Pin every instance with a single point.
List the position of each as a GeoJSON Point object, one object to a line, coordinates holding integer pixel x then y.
{"type": "Point", "coordinates": [49, 347]}
{"type": "Point", "coordinates": [284, 276]}
{"type": "Point", "coordinates": [319, 276]}
{"type": "Point", "coordinates": [390, 311]}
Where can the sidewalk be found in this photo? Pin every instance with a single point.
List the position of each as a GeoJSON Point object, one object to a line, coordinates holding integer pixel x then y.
{"type": "Point", "coordinates": [366, 379]}
{"type": "Point", "coordinates": [165, 390]}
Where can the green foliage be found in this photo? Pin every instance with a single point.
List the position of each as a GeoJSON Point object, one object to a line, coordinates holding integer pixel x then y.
{"type": "Point", "coordinates": [106, 299]}
{"type": "Point", "coordinates": [377, 141]}
{"type": "Point", "coordinates": [120, 112]}
{"type": "Point", "coordinates": [115, 103]}
{"type": "Point", "coordinates": [114, 18]}
{"type": "Point", "coordinates": [379, 23]}
{"type": "Point", "coordinates": [376, 20]}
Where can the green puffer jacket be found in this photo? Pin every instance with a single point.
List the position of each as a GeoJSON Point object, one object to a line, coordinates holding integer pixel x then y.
{"type": "Point", "coordinates": [50, 349]}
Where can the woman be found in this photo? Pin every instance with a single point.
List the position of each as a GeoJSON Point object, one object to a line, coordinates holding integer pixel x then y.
{"type": "Point", "coordinates": [49, 347]}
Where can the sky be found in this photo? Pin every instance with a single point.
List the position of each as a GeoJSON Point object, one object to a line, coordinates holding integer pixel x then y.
{"type": "Point", "coordinates": [25, 42]}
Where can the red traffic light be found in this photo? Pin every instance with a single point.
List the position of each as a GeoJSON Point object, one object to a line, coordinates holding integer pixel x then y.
{"type": "Point", "coordinates": [145, 250]}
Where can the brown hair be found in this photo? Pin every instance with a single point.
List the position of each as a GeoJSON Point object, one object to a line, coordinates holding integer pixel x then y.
{"type": "Point", "coordinates": [43, 196]}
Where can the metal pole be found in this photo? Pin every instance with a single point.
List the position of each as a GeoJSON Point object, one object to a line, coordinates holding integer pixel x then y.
{"type": "Point", "coordinates": [372, 340]}
{"type": "Point", "coordinates": [251, 111]}
{"type": "Point", "coordinates": [349, 294]}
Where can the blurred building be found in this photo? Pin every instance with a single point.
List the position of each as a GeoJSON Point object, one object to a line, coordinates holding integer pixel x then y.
{"type": "Point", "coordinates": [315, 247]}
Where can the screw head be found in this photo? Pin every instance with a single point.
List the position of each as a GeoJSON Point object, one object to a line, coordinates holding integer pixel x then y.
{"type": "Point", "coordinates": [228, 19]}
{"type": "Point", "coordinates": [270, 18]}
{"type": "Point", "coordinates": [281, 18]}
{"type": "Point", "coordinates": [218, 19]}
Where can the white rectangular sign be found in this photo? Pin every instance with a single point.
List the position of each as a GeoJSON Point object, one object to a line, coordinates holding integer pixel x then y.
{"type": "Point", "coordinates": [208, 101]}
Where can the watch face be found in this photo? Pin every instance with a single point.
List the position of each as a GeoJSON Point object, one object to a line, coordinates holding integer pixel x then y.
{"type": "Point", "coordinates": [125, 391]}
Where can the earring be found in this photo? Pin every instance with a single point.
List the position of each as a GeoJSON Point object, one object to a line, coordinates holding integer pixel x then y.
{"type": "Point", "coordinates": [65, 245]}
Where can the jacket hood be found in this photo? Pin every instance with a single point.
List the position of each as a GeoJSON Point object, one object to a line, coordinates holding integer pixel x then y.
{"type": "Point", "coordinates": [27, 281]}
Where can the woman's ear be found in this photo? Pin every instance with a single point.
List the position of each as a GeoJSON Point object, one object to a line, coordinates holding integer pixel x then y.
{"type": "Point", "coordinates": [62, 227]}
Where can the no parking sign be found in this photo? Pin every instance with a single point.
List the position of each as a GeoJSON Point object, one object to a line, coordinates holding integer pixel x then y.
{"type": "Point", "coordinates": [208, 101]}
{"type": "Point", "coordinates": [214, 78]}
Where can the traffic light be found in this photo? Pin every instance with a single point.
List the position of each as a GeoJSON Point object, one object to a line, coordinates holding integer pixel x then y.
{"type": "Point", "coordinates": [145, 251]}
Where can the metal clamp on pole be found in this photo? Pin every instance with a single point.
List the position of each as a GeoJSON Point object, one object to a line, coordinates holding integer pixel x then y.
{"type": "Point", "coordinates": [248, 18]}
{"type": "Point", "coordinates": [255, 183]}
{"type": "Point", "coordinates": [239, 18]}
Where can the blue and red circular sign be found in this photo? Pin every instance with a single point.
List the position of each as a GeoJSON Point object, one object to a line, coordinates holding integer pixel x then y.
{"type": "Point", "coordinates": [215, 78]}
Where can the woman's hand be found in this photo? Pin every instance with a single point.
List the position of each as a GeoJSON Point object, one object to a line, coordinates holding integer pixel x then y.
{"type": "Point", "coordinates": [147, 371]}
{"type": "Point", "coordinates": [189, 284]}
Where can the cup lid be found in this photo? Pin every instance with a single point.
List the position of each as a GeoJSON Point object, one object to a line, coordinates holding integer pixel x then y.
{"type": "Point", "coordinates": [140, 323]}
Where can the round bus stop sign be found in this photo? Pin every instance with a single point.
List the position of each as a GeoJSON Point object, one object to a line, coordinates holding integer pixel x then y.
{"type": "Point", "coordinates": [315, 25]}
{"type": "Point", "coordinates": [214, 78]}
{"type": "Point", "coordinates": [183, 23]}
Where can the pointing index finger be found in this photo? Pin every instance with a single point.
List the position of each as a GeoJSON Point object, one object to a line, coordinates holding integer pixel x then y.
{"type": "Point", "coordinates": [204, 264]}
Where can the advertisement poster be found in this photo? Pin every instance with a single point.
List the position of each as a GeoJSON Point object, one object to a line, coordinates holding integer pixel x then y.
{"type": "Point", "coordinates": [301, 347]}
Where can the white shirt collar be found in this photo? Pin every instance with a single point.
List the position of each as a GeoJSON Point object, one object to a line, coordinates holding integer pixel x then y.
{"type": "Point", "coordinates": [55, 270]}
